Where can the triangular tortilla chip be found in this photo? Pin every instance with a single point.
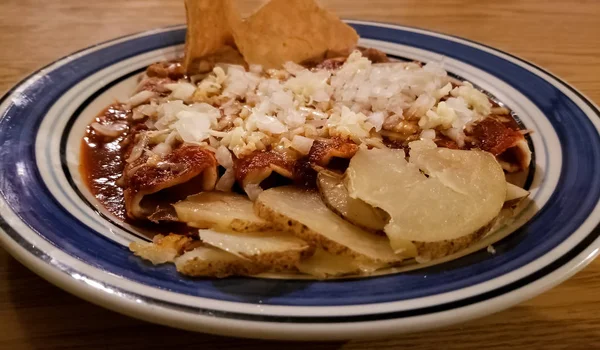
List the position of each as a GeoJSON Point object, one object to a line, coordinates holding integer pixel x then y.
{"type": "Point", "coordinates": [297, 31]}
{"type": "Point", "coordinates": [208, 34]}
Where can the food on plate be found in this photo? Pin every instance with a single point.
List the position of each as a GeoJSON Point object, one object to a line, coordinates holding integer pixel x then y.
{"type": "Point", "coordinates": [277, 250]}
{"type": "Point", "coordinates": [323, 264]}
{"type": "Point", "coordinates": [303, 213]}
{"type": "Point", "coordinates": [439, 194]}
{"type": "Point", "coordinates": [210, 261]}
{"type": "Point", "coordinates": [514, 195]}
{"type": "Point", "coordinates": [261, 151]}
{"type": "Point", "coordinates": [220, 210]}
{"type": "Point", "coordinates": [335, 195]}
{"type": "Point", "coordinates": [287, 25]}
{"type": "Point", "coordinates": [162, 249]}
{"type": "Point", "coordinates": [187, 169]}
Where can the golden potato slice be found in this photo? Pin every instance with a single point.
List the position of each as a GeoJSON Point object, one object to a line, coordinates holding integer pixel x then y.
{"type": "Point", "coordinates": [274, 250]}
{"type": "Point", "coordinates": [456, 194]}
{"type": "Point", "coordinates": [295, 31]}
{"type": "Point", "coordinates": [213, 262]}
{"type": "Point", "coordinates": [220, 210]}
{"type": "Point", "coordinates": [324, 265]}
{"type": "Point", "coordinates": [514, 195]}
{"type": "Point", "coordinates": [162, 249]}
{"type": "Point", "coordinates": [435, 250]}
{"type": "Point", "coordinates": [304, 213]}
{"type": "Point", "coordinates": [335, 195]}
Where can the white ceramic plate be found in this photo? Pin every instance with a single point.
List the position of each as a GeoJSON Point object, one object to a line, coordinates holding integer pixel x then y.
{"type": "Point", "coordinates": [52, 224]}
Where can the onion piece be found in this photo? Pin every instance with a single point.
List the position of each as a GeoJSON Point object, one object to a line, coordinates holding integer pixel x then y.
{"type": "Point", "coordinates": [172, 138]}
{"type": "Point", "coordinates": [110, 130]}
{"type": "Point", "coordinates": [318, 123]}
{"type": "Point", "coordinates": [376, 119]}
{"type": "Point", "coordinates": [223, 156]}
{"type": "Point", "coordinates": [253, 190]}
{"type": "Point", "coordinates": [226, 181]}
{"type": "Point", "coordinates": [138, 149]}
{"type": "Point", "coordinates": [302, 144]}
{"type": "Point", "coordinates": [140, 98]}
{"type": "Point", "coordinates": [162, 149]}
{"type": "Point", "coordinates": [149, 110]}
{"type": "Point", "coordinates": [181, 90]}
{"type": "Point", "coordinates": [428, 134]}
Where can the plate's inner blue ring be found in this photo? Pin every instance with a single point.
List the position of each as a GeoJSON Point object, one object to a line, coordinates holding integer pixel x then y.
{"type": "Point", "coordinates": [23, 190]}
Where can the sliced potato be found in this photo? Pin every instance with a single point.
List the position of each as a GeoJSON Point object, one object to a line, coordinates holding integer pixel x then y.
{"type": "Point", "coordinates": [336, 197]}
{"type": "Point", "coordinates": [273, 250]}
{"type": "Point", "coordinates": [324, 265]}
{"type": "Point", "coordinates": [457, 194]}
{"type": "Point", "coordinates": [429, 251]}
{"type": "Point", "coordinates": [162, 249]}
{"type": "Point", "coordinates": [304, 213]}
{"type": "Point", "coordinates": [214, 262]}
{"type": "Point", "coordinates": [435, 250]}
{"type": "Point", "coordinates": [514, 195]}
{"type": "Point", "coordinates": [220, 210]}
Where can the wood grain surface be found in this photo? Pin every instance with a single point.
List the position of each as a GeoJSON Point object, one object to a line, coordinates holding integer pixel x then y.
{"type": "Point", "coordinates": [562, 36]}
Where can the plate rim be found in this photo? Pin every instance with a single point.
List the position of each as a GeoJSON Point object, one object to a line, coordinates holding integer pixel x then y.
{"type": "Point", "coordinates": [49, 271]}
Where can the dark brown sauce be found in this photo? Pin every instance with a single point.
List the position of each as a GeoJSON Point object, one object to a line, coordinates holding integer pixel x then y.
{"type": "Point", "coordinates": [102, 162]}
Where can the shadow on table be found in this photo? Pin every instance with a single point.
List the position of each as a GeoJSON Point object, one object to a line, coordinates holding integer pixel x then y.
{"type": "Point", "coordinates": [49, 318]}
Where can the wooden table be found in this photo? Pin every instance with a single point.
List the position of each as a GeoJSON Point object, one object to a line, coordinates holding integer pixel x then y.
{"type": "Point", "coordinates": [561, 36]}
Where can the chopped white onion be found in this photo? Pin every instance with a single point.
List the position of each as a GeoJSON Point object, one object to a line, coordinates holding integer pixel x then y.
{"type": "Point", "coordinates": [267, 123]}
{"type": "Point", "coordinates": [226, 181]}
{"type": "Point", "coordinates": [110, 130]}
{"type": "Point", "coordinates": [137, 115]}
{"type": "Point", "coordinates": [223, 156]}
{"type": "Point", "coordinates": [302, 144]}
{"type": "Point", "coordinates": [162, 149]}
{"type": "Point", "coordinates": [261, 109]}
{"type": "Point", "coordinates": [171, 138]}
{"type": "Point", "coordinates": [138, 148]}
{"type": "Point", "coordinates": [212, 142]}
{"type": "Point", "coordinates": [428, 134]}
{"type": "Point", "coordinates": [140, 98]}
{"type": "Point", "coordinates": [253, 190]}
{"type": "Point", "coordinates": [147, 109]}
{"type": "Point", "coordinates": [293, 68]}
{"type": "Point", "coordinates": [318, 123]}
{"type": "Point", "coordinates": [181, 90]}
{"type": "Point", "coordinates": [239, 82]}
{"type": "Point", "coordinates": [192, 126]}
{"type": "Point", "coordinates": [255, 68]}
{"type": "Point", "coordinates": [457, 135]}
{"type": "Point", "coordinates": [149, 123]}
{"type": "Point", "coordinates": [376, 119]}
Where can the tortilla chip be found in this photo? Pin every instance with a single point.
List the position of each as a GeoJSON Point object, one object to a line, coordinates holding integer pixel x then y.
{"type": "Point", "coordinates": [295, 31]}
{"type": "Point", "coordinates": [226, 54]}
{"type": "Point", "coordinates": [208, 32]}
